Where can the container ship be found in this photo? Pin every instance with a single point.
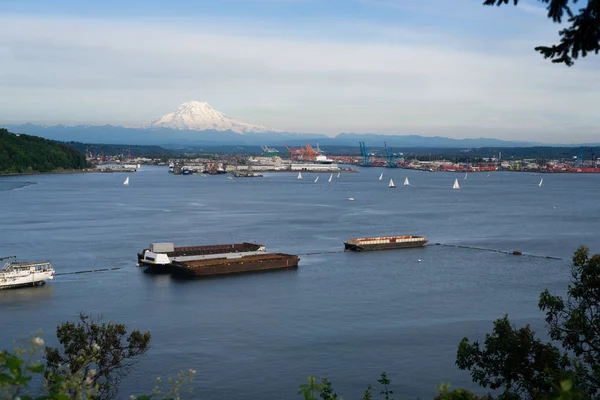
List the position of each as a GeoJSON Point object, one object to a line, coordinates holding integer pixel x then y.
{"type": "Point", "coordinates": [233, 264]}
{"type": "Point", "coordinates": [164, 253]}
{"type": "Point", "coordinates": [384, 243]}
{"type": "Point", "coordinates": [25, 273]}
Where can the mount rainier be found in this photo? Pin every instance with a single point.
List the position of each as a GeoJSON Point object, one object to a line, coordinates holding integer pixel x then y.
{"type": "Point", "coordinates": [200, 116]}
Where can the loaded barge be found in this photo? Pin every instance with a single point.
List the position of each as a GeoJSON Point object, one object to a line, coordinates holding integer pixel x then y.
{"type": "Point", "coordinates": [164, 253]}
{"type": "Point", "coordinates": [202, 261]}
{"type": "Point", "coordinates": [384, 243]}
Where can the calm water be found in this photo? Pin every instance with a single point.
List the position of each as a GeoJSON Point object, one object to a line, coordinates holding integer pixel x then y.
{"type": "Point", "coordinates": [346, 316]}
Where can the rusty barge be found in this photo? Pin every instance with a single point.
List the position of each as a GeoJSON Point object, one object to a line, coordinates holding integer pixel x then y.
{"type": "Point", "coordinates": [233, 264]}
{"type": "Point", "coordinates": [384, 243]}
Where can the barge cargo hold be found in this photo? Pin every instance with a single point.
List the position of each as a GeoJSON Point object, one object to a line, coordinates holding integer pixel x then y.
{"type": "Point", "coordinates": [164, 253]}
{"type": "Point", "coordinates": [234, 264]}
{"type": "Point", "coordinates": [384, 243]}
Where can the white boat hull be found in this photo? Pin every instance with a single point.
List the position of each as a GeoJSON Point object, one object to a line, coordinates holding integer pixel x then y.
{"type": "Point", "coordinates": [24, 278]}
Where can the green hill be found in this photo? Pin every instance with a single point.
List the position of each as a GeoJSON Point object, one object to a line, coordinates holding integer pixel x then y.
{"type": "Point", "coordinates": [25, 153]}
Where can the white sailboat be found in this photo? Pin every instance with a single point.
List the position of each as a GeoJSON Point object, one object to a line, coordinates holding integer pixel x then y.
{"type": "Point", "coordinates": [466, 173]}
{"type": "Point", "coordinates": [456, 185]}
{"type": "Point", "coordinates": [391, 184]}
{"type": "Point", "coordinates": [381, 176]}
{"type": "Point", "coordinates": [541, 181]}
{"type": "Point", "coordinates": [299, 175]}
{"type": "Point", "coordinates": [338, 175]}
{"type": "Point", "coordinates": [317, 180]}
{"type": "Point", "coordinates": [330, 178]}
{"type": "Point", "coordinates": [406, 182]}
{"type": "Point", "coordinates": [126, 183]}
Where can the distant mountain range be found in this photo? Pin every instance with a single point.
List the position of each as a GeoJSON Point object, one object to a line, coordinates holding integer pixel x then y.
{"type": "Point", "coordinates": [197, 123]}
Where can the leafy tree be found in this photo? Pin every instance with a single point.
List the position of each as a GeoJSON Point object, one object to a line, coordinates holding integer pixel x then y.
{"type": "Point", "coordinates": [100, 354]}
{"type": "Point", "coordinates": [513, 361]}
{"type": "Point", "coordinates": [575, 321]}
{"type": "Point", "coordinates": [521, 366]}
{"type": "Point", "coordinates": [581, 37]}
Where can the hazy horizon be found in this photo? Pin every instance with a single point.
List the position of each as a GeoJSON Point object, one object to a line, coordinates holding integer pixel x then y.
{"type": "Point", "coordinates": [458, 70]}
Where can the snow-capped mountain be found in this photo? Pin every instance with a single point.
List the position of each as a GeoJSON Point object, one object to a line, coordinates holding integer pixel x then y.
{"type": "Point", "coordinates": [200, 116]}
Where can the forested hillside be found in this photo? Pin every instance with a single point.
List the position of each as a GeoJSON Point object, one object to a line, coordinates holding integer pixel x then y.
{"type": "Point", "coordinates": [25, 153]}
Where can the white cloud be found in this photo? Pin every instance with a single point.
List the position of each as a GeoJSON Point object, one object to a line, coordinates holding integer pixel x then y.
{"type": "Point", "coordinates": [536, 10]}
{"type": "Point", "coordinates": [62, 70]}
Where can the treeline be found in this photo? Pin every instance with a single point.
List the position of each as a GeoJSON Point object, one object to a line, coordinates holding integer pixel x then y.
{"type": "Point", "coordinates": [24, 153]}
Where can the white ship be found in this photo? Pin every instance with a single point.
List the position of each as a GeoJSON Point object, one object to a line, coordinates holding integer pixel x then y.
{"type": "Point", "coordinates": [25, 273]}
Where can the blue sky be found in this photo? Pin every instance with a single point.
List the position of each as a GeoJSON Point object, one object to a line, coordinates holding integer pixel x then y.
{"type": "Point", "coordinates": [430, 67]}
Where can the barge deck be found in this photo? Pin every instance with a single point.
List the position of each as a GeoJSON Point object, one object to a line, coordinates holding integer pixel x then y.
{"type": "Point", "coordinates": [384, 243]}
{"type": "Point", "coordinates": [234, 264]}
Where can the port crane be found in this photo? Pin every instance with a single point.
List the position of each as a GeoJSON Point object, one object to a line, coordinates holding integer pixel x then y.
{"type": "Point", "coordinates": [364, 152]}
{"type": "Point", "coordinates": [391, 159]}
{"type": "Point", "coordinates": [305, 154]}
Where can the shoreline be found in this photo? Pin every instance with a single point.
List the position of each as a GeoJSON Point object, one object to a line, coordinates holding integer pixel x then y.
{"type": "Point", "coordinates": [60, 172]}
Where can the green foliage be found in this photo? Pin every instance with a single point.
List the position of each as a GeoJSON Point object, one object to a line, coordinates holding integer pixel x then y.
{"type": "Point", "coordinates": [575, 321]}
{"type": "Point", "coordinates": [520, 366]}
{"type": "Point", "coordinates": [581, 37]}
{"type": "Point", "coordinates": [385, 381]}
{"type": "Point", "coordinates": [176, 385]}
{"type": "Point", "coordinates": [514, 361]}
{"type": "Point", "coordinates": [17, 369]}
{"type": "Point", "coordinates": [24, 153]}
{"type": "Point", "coordinates": [324, 390]}
{"type": "Point", "coordinates": [93, 353]}
{"type": "Point", "coordinates": [458, 394]}
{"type": "Point", "coordinates": [368, 395]}
{"type": "Point", "coordinates": [309, 390]}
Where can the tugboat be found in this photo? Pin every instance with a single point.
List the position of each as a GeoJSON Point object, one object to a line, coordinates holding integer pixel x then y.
{"type": "Point", "coordinates": [25, 273]}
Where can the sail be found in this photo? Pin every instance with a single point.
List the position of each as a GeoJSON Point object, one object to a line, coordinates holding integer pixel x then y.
{"type": "Point", "coordinates": [381, 177]}
{"type": "Point", "coordinates": [540, 184]}
{"type": "Point", "coordinates": [391, 185]}
{"type": "Point", "coordinates": [126, 183]}
{"type": "Point", "coordinates": [338, 175]}
{"type": "Point", "coordinates": [466, 173]}
{"type": "Point", "coordinates": [330, 178]}
{"type": "Point", "coordinates": [299, 175]}
{"type": "Point", "coordinates": [456, 186]}
{"type": "Point", "coordinates": [316, 180]}
{"type": "Point", "coordinates": [406, 183]}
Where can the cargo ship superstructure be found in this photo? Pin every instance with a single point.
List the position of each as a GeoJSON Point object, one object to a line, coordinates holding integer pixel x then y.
{"type": "Point", "coordinates": [25, 273]}
{"type": "Point", "coordinates": [384, 243]}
